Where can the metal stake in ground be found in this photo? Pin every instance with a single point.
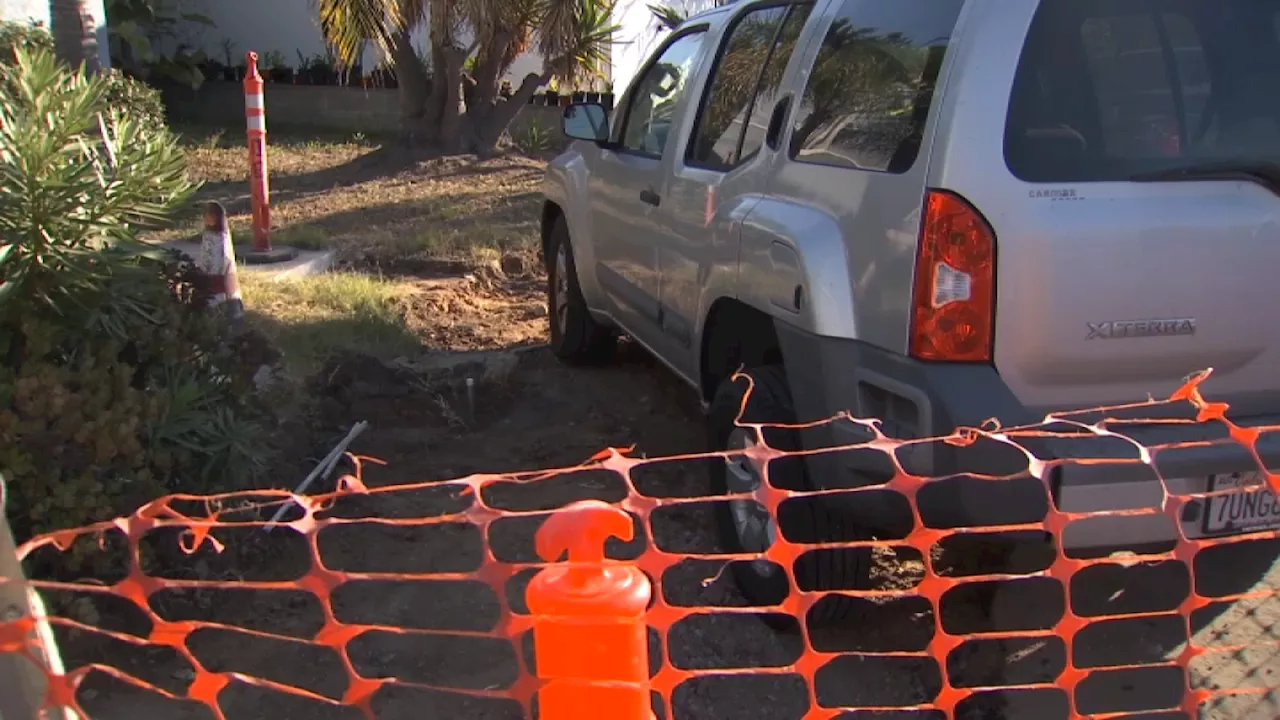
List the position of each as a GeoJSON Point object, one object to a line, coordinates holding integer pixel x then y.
{"type": "Point", "coordinates": [259, 187]}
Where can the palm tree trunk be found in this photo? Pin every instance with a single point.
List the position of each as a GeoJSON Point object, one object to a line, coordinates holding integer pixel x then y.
{"type": "Point", "coordinates": [487, 130]}
{"type": "Point", "coordinates": [415, 87]}
{"type": "Point", "coordinates": [449, 76]}
{"type": "Point", "coordinates": [74, 41]}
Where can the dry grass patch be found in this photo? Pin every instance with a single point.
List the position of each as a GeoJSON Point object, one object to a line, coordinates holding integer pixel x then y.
{"type": "Point", "coordinates": [311, 319]}
{"type": "Point", "coordinates": [391, 218]}
{"type": "Point", "coordinates": [373, 202]}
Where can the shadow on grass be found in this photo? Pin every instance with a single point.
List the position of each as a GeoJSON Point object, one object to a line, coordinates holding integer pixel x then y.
{"type": "Point", "coordinates": [387, 157]}
{"type": "Point", "coordinates": [310, 319]}
{"type": "Point", "coordinates": [306, 344]}
{"type": "Point", "coordinates": [448, 226]}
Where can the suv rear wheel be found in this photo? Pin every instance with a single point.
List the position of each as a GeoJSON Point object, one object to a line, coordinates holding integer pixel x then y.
{"type": "Point", "coordinates": [576, 337]}
{"type": "Point", "coordinates": [747, 527]}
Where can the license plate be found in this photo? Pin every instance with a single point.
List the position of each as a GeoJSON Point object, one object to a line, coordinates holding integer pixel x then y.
{"type": "Point", "coordinates": [1242, 511]}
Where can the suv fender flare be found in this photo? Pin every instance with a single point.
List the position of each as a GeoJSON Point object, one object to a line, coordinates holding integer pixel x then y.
{"type": "Point", "coordinates": [565, 193]}
{"type": "Point", "coordinates": [793, 266]}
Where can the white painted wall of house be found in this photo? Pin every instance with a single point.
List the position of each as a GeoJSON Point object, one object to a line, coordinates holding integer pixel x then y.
{"type": "Point", "coordinates": [287, 27]}
{"type": "Point", "coordinates": [37, 11]}
{"type": "Point", "coordinates": [640, 34]}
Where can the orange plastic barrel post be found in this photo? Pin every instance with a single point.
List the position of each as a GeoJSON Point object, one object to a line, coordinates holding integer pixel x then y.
{"type": "Point", "coordinates": [256, 124]}
{"type": "Point", "coordinates": [589, 633]}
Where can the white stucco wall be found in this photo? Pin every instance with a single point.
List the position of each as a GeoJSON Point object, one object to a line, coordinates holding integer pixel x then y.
{"type": "Point", "coordinates": [284, 26]}
{"type": "Point", "coordinates": [37, 11]}
{"type": "Point", "coordinates": [641, 34]}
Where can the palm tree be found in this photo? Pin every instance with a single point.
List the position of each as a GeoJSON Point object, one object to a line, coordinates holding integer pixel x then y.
{"type": "Point", "coordinates": [667, 16]}
{"type": "Point", "coordinates": [74, 39]}
{"type": "Point", "coordinates": [458, 108]}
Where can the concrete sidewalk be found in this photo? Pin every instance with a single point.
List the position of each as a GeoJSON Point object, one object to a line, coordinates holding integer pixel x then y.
{"type": "Point", "coordinates": [308, 262]}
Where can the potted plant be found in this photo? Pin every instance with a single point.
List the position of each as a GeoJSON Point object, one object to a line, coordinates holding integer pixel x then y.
{"type": "Point", "coordinates": [552, 94]}
{"type": "Point", "coordinates": [322, 69]}
{"type": "Point", "coordinates": [231, 71]}
{"type": "Point", "coordinates": [276, 69]}
{"type": "Point", "coordinates": [302, 72]}
{"type": "Point", "coordinates": [212, 69]}
{"type": "Point", "coordinates": [383, 76]}
{"type": "Point", "coordinates": [578, 96]}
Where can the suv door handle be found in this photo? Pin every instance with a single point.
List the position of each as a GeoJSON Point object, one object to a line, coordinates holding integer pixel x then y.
{"type": "Point", "coordinates": [650, 197]}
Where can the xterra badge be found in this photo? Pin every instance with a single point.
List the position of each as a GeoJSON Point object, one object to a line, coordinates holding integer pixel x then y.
{"type": "Point", "coordinates": [1116, 329]}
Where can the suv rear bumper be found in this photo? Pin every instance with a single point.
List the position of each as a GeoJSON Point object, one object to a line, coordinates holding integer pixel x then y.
{"type": "Point", "coordinates": [917, 399]}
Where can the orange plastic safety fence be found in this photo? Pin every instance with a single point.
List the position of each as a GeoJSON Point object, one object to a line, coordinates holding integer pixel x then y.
{"type": "Point", "coordinates": [934, 660]}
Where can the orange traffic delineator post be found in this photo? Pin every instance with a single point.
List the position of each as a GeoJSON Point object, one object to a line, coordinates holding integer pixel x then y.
{"type": "Point", "coordinates": [255, 115]}
{"type": "Point", "coordinates": [256, 123]}
{"type": "Point", "coordinates": [589, 633]}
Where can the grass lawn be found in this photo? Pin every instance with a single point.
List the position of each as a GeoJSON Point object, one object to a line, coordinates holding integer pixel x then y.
{"type": "Point", "coordinates": [313, 318]}
{"type": "Point", "coordinates": [419, 244]}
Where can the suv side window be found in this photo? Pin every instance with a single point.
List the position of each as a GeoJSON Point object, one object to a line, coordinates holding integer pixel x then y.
{"type": "Point", "coordinates": [872, 84]}
{"type": "Point", "coordinates": [650, 112]}
{"type": "Point", "coordinates": [731, 122]}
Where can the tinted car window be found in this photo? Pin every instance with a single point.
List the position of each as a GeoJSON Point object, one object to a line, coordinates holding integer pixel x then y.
{"type": "Point", "coordinates": [743, 82]}
{"type": "Point", "coordinates": [872, 84]}
{"type": "Point", "coordinates": [650, 112]}
{"type": "Point", "coordinates": [1109, 91]}
{"type": "Point", "coordinates": [771, 80]}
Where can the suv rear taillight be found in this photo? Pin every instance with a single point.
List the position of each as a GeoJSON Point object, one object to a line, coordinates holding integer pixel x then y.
{"type": "Point", "coordinates": [953, 304]}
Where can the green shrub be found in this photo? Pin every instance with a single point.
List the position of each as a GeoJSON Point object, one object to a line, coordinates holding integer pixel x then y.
{"type": "Point", "coordinates": [116, 382]}
{"type": "Point", "coordinates": [135, 98]}
{"type": "Point", "coordinates": [15, 35]}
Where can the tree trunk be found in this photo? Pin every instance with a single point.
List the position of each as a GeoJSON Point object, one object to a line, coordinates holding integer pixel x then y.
{"type": "Point", "coordinates": [435, 101]}
{"type": "Point", "coordinates": [415, 88]}
{"type": "Point", "coordinates": [497, 117]}
{"type": "Point", "coordinates": [449, 76]}
{"type": "Point", "coordinates": [489, 68]}
{"type": "Point", "coordinates": [74, 41]}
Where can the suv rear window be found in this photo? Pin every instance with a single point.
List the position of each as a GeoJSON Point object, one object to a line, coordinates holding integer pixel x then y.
{"type": "Point", "coordinates": [1110, 90]}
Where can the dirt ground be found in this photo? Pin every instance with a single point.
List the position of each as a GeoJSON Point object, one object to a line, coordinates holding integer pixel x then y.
{"type": "Point", "coordinates": [528, 412]}
{"type": "Point", "coordinates": [472, 315]}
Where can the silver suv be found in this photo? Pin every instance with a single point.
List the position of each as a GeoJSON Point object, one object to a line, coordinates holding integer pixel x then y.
{"type": "Point", "coordinates": [935, 212]}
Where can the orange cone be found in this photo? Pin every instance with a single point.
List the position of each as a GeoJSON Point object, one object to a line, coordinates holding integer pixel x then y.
{"type": "Point", "coordinates": [589, 632]}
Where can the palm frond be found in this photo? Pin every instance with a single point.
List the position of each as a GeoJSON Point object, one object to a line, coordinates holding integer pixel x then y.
{"type": "Point", "coordinates": [349, 24]}
{"type": "Point", "coordinates": [670, 17]}
{"type": "Point", "coordinates": [576, 36]}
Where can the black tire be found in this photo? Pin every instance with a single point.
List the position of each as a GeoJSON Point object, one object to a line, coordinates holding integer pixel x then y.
{"type": "Point", "coordinates": [576, 338]}
{"type": "Point", "coordinates": [770, 402]}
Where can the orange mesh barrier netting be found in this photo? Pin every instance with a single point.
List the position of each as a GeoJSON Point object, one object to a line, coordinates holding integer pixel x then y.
{"type": "Point", "coordinates": [408, 601]}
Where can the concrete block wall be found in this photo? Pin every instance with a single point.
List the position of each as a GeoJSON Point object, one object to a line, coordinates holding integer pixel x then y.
{"type": "Point", "coordinates": [340, 109]}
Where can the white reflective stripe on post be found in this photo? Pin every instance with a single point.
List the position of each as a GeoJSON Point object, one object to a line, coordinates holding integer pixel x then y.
{"type": "Point", "coordinates": [256, 122]}
{"type": "Point", "coordinates": [253, 102]}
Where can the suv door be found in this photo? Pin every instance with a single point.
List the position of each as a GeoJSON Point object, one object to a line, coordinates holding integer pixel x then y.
{"type": "Point", "coordinates": [625, 185]}
{"type": "Point", "coordinates": [715, 180]}
{"type": "Point", "coordinates": [857, 153]}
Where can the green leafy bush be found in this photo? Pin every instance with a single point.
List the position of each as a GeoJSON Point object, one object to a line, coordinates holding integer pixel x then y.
{"type": "Point", "coordinates": [15, 35]}
{"type": "Point", "coordinates": [136, 98]}
{"type": "Point", "coordinates": [116, 381]}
